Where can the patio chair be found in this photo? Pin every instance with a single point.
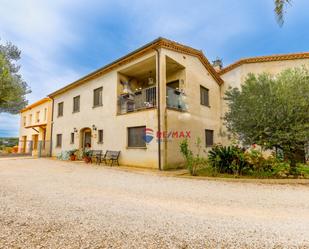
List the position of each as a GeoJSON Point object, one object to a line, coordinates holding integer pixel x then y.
{"type": "Point", "coordinates": [97, 155]}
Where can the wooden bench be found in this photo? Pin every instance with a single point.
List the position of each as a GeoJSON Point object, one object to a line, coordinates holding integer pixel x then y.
{"type": "Point", "coordinates": [111, 156]}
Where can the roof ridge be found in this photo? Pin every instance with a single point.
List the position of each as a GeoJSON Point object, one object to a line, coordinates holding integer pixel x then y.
{"type": "Point", "coordinates": [159, 42]}
{"type": "Point", "coordinates": [265, 58]}
{"type": "Point", "coordinates": [36, 103]}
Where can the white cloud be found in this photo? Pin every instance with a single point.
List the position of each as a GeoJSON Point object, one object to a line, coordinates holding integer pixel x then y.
{"type": "Point", "coordinates": [42, 31]}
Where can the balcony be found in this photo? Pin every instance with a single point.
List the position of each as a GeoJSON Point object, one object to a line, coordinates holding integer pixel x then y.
{"type": "Point", "coordinates": [137, 86]}
{"type": "Point", "coordinates": [146, 98]}
{"type": "Point", "coordinates": [137, 100]}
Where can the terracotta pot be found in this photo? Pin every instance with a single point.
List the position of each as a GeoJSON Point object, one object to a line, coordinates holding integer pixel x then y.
{"type": "Point", "coordinates": [87, 159]}
{"type": "Point", "coordinates": [73, 157]}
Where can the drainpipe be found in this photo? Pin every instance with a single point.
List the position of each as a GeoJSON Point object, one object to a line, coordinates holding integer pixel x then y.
{"type": "Point", "coordinates": [159, 108]}
{"type": "Point", "coordinates": [51, 128]}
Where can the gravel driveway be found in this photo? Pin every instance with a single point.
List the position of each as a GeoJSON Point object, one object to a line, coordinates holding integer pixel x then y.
{"type": "Point", "coordinates": [53, 204]}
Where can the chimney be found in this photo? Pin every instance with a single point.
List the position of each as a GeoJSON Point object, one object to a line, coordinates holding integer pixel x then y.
{"type": "Point", "coordinates": [217, 64]}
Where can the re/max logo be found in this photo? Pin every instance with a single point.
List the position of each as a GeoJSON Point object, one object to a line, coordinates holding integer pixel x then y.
{"type": "Point", "coordinates": [174, 134]}
{"type": "Point", "coordinates": [165, 135]}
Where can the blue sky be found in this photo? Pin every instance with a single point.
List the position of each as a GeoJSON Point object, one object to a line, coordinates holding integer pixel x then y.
{"type": "Point", "coordinates": [62, 40]}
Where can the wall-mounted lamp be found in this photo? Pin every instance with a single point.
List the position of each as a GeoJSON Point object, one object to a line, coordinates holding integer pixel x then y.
{"type": "Point", "coordinates": [94, 127]}
{"type": "Point", "coordinates": [75, 130]}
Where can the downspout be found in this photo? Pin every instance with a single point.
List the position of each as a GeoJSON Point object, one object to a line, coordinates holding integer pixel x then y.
{"type": "Point", "coordinates": [51, 129]}
{"type": "Point", "coordinates": [159, 108]}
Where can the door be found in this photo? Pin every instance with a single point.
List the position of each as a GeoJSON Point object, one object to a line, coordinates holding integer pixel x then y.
{"type": "Point", "coordinates": [24, 144]}
{"type": "Point", "coordinates": [35, 139]}
{"type": "Point", "coordinates": [87, 139]}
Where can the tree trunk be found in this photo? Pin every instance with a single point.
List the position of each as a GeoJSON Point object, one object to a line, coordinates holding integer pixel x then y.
{"type": "Point", "coordinates": [295, 156]}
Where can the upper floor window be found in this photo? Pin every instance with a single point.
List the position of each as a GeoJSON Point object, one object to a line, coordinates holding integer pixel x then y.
{"type": "Point", "coordinates": [76, 104]}
{"type": "Point", "coordinates": [97, 97]}
{"type": "Point", "coordinates": [100, 136]}
{"type": "Point", "coordinates": [60, 109]}
{"type": "Point", "coordinates": [59, 140]}
{"type": "Point", "coordinates": [45, 114]}
{"type": "Point", "coordinates": [37, 116]}
{"type": "Point", "coordinates": [204, 92]}
{"type": "Point", "coordinates": [30, 119]}
{"type": "Point", "coordinates": [24, 121]}
{"type": "Point", "coordinates": [209, 138]}
{"type": "Point", "coordinates": [136, 137]}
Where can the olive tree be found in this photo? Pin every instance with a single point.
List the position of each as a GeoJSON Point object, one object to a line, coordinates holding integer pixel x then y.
{"type": "Point", "coordinates": [272, 112]}
{"type": "Point", "coordinates": [13, 88]}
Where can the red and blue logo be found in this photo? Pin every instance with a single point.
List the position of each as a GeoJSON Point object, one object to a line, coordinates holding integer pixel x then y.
{"type": "Point", "coordinates": [148, 137]}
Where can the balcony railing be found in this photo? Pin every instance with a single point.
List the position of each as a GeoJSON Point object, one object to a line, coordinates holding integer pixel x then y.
{"type": "Point", "coordinates": [138, 100]}
{"type": "Point", "coordinates": [146, 98]}
{"type": "Point", "coordinates": [175, 99]}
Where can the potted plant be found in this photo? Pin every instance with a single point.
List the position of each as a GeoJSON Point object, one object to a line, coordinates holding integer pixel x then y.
{"type": "Point", "coordinates": [72, 155]}
{"type": "Point", "coordinates": [87, 156]}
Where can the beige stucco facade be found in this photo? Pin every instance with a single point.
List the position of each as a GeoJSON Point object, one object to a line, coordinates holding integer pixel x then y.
{"type": "Point", "coordinates": [35, 127]}
{"type": "Point", "coordinates": [193, 121]}
{"type": "Point", "coordinates": [157, 87]}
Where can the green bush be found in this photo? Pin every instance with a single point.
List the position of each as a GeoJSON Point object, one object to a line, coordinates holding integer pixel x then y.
{"type": "Point", "coordinates": [228, 159]}
{"type": "Point", "coordinates": [237, 161]}
{"type": "Point", "coordinates": [193, 162]}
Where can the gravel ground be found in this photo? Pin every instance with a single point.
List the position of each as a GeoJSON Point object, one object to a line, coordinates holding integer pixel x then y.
{"type": "Point", "coordinates": [53, 204]}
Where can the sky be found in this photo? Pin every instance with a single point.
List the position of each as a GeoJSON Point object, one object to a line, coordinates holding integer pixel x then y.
{"type": "Point", "coordinates": [62, 40]}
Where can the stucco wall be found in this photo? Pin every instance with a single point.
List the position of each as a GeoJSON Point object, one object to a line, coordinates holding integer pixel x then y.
{"type": "Point", "coordinates": [104, 117]}
{"type": "Point", "coordinates": [29, 132]}
{"type": "Point", "coordinates": [198, 117]}
{"type": "Point", "coordinates": [115, 126]}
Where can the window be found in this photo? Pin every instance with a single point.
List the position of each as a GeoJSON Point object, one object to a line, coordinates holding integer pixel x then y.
{"type": "Point", "coordinates": [37, 117]}
{"type": "Point", "coordinates": [97, 97]}
{"type": "Point", "coordinates": [45, 114]}
{"type": "Point", "coordinates": [24, 120]}
{"type": "Point", "coordinates": [59, 140]}
{"type": "Point", "coordinates": [60, 109]}
{"type": "Point", "coordinates": [30, 119]}
{"type": "Point", "coordinates": [204, 96]}
{"type": "Point", "coordinates": [72, 138]}
{"type": "Point", "coordinates": [100, 136]}
{"type": "Point", "coordinates": [76, 102]}
{"type": "Point", "coordinates": [209, 137]}
{"type": "Point", "coordinates": [136, 137]}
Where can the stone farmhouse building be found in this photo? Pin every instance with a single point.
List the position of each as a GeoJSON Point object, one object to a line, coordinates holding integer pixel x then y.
{"type": "Point", "coordinates": [146, 102]}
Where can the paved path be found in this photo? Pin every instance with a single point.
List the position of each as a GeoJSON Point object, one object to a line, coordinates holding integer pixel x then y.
{"type": "Point", "coordinates": [52, 204]}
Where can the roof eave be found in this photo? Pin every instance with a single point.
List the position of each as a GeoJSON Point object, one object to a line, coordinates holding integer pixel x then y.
{"type": "Point", "coordinates": [159, 42]}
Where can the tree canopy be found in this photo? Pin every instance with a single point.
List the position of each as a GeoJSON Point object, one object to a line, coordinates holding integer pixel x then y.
{"type": "Point", "coordinates": [13, 88]}
{"type": "Point", "coordinates": [272, 112]}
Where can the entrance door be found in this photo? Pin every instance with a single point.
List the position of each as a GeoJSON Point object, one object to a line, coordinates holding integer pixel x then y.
{"type": "Point", "coordinates": [35, 139]}
{"type": "Point", "coordinates": [87, 139]}
{"type": "Point", "coordinates": [24, 144]}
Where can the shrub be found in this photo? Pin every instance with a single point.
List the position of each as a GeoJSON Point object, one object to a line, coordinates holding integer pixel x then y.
{"type": "Point", "coordinates": [193, 162]}
{"type": "Point", "coordinates": [228, 159]}
{"type": "Point", "coordinates": [258, 163]}
{"type": "Point", "coordinates": [72, 152]}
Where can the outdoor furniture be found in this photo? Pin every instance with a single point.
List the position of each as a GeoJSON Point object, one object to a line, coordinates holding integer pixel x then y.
{"type": "Point", "coordinates": [111, 156]}
{"type": "Point", "coordinates": [97, 155]}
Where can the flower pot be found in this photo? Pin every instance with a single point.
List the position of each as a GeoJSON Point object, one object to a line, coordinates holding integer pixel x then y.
{"type": "Point", "coordinates": [87, 159]}
{"type": "Point", "coordinates": [72, 157]}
